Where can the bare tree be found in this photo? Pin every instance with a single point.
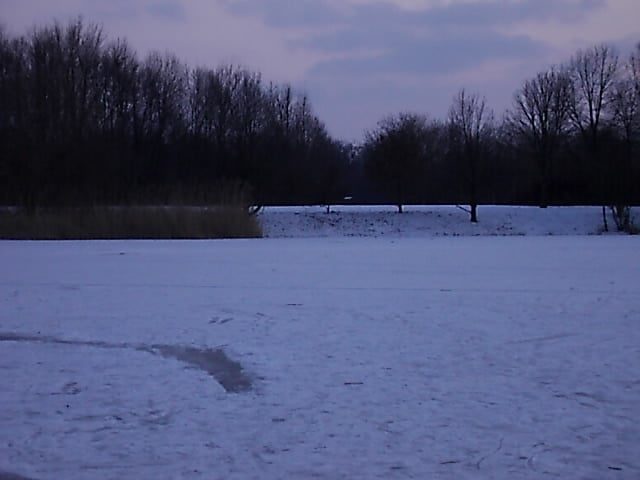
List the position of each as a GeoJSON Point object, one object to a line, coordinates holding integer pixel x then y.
{"type": "Point", "coordinates": [14, 138]}
{"type": "Point", "coordinates": [395, 157]}
{"type": "Point", "coordinates": [119, 77]}
{"type": "Point", "coordinates": [222, 106]}
{"type": "Point", "coordinates": [634, 64]}
{"type": "Point", "coordinates": [624, 110]}
{"type": "Point", "coordinates": [470, 124]}
{"type": "Point", "coordinates": [540, 117]}
{"type": "Point", "coordinates": [163, 86]}
{"type": "Point", "coordinates": [13, 85]}
{"type": "Point", "coordinates": [214, 103]}
{"type": "Point", "coordinates": [593, 73]}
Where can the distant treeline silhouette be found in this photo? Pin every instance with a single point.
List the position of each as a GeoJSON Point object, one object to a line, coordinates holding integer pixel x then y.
{"type": "Point", "coordinates": [84, 121]}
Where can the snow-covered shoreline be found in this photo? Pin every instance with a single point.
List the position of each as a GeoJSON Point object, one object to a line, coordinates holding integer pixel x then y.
{"type": "Point", "coordinates": [424, 221]}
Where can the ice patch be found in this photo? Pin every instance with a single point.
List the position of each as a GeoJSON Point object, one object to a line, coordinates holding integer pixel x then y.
{"type": "Point", "coordinates": [215, 362]}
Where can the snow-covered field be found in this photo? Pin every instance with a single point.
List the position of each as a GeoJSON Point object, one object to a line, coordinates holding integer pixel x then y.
{"type": "Point", "coordinates": [400, 356]}
{"type": "Point", "coordinates": [432, 221]}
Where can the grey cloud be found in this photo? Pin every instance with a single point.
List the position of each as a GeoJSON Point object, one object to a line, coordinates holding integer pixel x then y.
{"type": "Point", "coordinates": [442, 39]}
{"type": "Point", "coordinates": [172, 10]}
{"type": "Point", "coordinates": [438, 54]}
{"type": "Point", "coordinates": [499, 12]}
{"type": "Point", "coordinates": [285, 13]}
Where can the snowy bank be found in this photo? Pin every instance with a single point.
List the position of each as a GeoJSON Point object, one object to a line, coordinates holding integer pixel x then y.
{"type": "Point", "coordinates": [376, 221]}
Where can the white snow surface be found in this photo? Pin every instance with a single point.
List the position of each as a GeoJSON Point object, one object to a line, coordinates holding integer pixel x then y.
{"type": "Point", "coordinates": [424, 221]}
{"type": "Point", "coordinates": [391, 357]}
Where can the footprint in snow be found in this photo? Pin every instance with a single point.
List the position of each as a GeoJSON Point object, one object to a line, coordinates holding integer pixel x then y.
{"type": "Point", "coordinates": [71, 388]}
{"type": "Point", "coordinates": [219, 321]}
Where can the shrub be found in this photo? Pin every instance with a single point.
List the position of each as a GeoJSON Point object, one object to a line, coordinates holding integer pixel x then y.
{"type": "Point", "coordinates": [170, 222]}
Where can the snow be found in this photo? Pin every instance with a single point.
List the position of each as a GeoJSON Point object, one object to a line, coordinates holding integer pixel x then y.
{"type": "Point", "coordinates": [411, 355]}
{"type": "Point", "coordinates": [425, 221]}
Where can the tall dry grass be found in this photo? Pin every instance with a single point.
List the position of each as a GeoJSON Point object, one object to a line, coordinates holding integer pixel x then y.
{"type": "Point", "coordinates": [170, 222]}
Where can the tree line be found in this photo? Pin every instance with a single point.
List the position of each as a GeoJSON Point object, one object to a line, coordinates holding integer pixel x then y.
{"type": "Point", "coordinates": [84, 121]}
{"type": "Point", "coordinates": [570, 137]}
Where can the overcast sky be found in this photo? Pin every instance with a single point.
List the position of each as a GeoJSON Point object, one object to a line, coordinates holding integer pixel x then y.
{"type": "Point", "coordinates": [359, 60]}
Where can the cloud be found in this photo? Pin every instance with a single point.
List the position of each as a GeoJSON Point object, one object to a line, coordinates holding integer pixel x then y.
{"type": "Point", "coordinates": [433, 54]}
{"type": "Point", "coordinates": [286, 13]}
{"type": "Point", "coordinates": [364, 37]}
{"type": "Point", "coordinates": [506, 12]}
{"type": "Point", "coordinates": [170, 10]}
{"type": "Point", "coordinates": [434, 14]}
{"type": "Point", "coordinates": [609, 24]}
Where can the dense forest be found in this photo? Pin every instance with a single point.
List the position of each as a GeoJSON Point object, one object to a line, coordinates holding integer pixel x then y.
{"type": "Point", "coordinates": [84, 121]}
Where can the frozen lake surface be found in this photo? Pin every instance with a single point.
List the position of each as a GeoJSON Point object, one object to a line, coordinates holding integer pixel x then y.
{"type": "Point", "coordinates": [388, 357]}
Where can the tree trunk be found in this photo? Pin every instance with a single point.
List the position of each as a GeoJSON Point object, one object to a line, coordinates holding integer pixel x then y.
{"type": "Point", "coordinates": [622, 217]}
{"type": "Point", "coordinates": [400, 208]}
{"type": "Point", "coordinates": [544, 193]}
{"type": "Point", "coordinates": [545, 180]}
{"type": "Point", "coordinates": [473, 188]}
{"type": "Point", "coordinates": [474, 213]}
